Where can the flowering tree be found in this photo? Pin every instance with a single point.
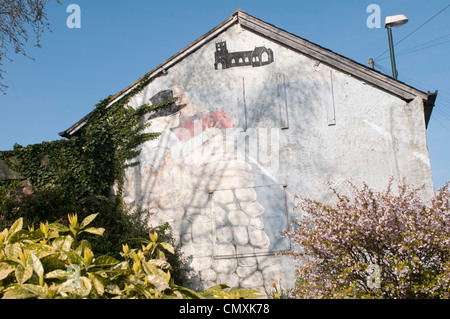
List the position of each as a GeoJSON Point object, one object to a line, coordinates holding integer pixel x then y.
{"type": "Point", "coordinates": [373, 245]}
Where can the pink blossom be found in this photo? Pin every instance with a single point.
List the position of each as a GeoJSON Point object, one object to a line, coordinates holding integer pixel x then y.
{"type": "Point", "coordinates": [407, 239]}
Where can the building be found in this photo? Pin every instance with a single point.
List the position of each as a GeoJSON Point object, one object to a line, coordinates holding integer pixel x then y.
{"type": "Point", "coordinates": [242, 140]}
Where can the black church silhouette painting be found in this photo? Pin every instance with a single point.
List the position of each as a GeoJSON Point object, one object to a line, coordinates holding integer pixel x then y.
{"type": "Point", "coordinates": [258, 57]}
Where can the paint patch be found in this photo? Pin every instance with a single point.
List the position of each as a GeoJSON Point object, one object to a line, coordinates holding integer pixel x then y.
{"type": "Point", "coordinates": [196, 125]}
{"type": "Point", "coordinates": [423, 158]}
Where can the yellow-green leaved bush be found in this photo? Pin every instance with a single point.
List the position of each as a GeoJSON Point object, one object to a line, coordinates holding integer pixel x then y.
{"type": "Point", "coordinates": [53, 262]}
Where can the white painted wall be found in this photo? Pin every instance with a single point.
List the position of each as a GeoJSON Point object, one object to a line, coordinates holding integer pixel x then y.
{"type": "Point", "coordinates": [321, 125]}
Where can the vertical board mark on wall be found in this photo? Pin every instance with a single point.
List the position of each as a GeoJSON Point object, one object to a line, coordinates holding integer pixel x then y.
{"type": "Point", "coordinates": [245, 105]}
{"type": "Point", "coordinates": [282, 101]}
{"type": "Point", "coordinates": [287, 215]}
{"type": "Point", "coordinates": [331, 109]}
{"type": "Point", "coordinates": [265, 101]}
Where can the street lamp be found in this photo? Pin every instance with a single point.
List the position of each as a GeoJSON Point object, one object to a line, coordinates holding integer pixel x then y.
{"type": "Point", "coordinates": [394, 22]}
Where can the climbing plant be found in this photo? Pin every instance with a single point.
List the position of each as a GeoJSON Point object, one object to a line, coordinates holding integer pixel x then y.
{"type": "Point", "coordinates": [5, 187]}
{"type": "Point", "coordinates": [78, 174]}
{"type": "Point", "coordinates": [92, 162]}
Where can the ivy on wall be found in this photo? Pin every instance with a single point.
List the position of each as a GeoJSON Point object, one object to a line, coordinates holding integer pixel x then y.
{"type": "Point", "coordinates": [5, 187]}
{"type": "Point", "coordinates": [92, 162]}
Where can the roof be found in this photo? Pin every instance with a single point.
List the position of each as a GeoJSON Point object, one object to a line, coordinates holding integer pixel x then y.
{"type": "Point", "coordinates": [297, 44]}
{"type": "Point", "coordinates": [8, 174]}
{"type": "Point", "coordinates": [259, 50]}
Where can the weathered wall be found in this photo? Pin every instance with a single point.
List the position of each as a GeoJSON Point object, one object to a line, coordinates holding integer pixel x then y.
{"type": "Point", "coordinates": [305, 125]}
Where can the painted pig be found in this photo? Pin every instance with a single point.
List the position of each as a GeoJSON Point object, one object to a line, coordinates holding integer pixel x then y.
{"type": "Point", "coordinates": [201, 122]}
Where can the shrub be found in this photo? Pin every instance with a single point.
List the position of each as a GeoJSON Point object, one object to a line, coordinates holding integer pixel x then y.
{"type": "Point", "coordinates": [121, 224]}
{"type": "Point", "coordinates": [54, 262]}
{"type": "Point", "coordinates": [373, 245]}
{"type": "Point", "coordinates": [52, 205]}
{"type": "Point", "coordinates": [5, 187]}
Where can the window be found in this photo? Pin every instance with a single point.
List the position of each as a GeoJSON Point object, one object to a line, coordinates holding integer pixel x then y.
{"type": "Point", "coordinates": [264, 57]}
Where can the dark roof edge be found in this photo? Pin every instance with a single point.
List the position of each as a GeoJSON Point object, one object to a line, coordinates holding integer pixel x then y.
{"type": "Point", "coordinates": [294, 42]}
{"type": "Point", "coordinates": [429, 105]}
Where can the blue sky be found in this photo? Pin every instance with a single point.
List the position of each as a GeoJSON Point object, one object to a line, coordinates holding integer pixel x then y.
{"type": "Point", "coordinates": [119, 41]}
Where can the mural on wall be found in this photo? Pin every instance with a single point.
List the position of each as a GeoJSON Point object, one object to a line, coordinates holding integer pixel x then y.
{"type": "Point", "coordinates": [197, 124]}
{"type": "Point", "coordinates": [167, 110]}
{"type": "Point", "coordinates": [189, 178]}
{"type": "Point", "coordinates": [258, 57]}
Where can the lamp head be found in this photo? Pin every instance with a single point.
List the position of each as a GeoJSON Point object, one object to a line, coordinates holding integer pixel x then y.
{"type": "Point", "coordinates": [395, 21]}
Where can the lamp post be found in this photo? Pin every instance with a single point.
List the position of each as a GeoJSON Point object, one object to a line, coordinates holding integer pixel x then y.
{"type": "Point", "coordinates": [394, 22]}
